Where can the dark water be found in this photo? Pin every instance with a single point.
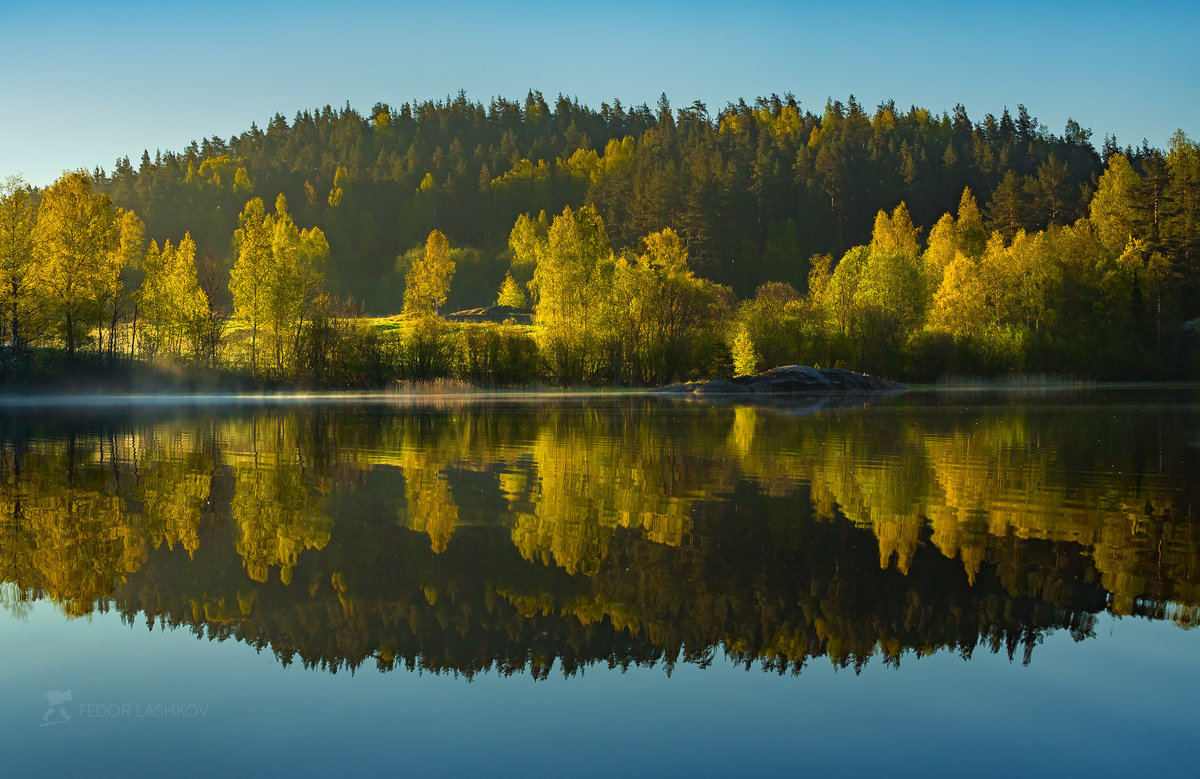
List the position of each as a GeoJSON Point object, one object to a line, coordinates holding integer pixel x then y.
{"type": "Point", "coordinates": [927, 584]}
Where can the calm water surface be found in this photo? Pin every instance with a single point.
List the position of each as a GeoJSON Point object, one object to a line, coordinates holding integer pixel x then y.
{"type": "Point", "coordinates": [925, 584]}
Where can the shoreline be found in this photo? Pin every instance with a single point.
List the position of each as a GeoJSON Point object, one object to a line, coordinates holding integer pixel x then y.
{"type": "Point", "coordinates": [153, 385]}
{"type": "Point", "coordinates": [161, 400]}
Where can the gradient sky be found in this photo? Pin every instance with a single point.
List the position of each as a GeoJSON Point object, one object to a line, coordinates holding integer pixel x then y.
{"type": "Point", "coordinates": [86, 83]}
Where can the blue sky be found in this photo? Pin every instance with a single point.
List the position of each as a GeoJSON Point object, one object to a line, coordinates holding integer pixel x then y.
{"type": "Point", "coordinates": [86, 83]}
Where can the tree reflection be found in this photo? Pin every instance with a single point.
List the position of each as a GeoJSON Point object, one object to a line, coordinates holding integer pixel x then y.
{"type": "Point", "coordinates": [275, 507]}
{"type": "Point", "coordinates": [632, 532]}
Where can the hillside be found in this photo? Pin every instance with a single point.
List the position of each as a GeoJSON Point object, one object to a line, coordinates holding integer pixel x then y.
{"type": "Point", "coordinates": [639, 246]}
{"type": "Point", "coordinates": [755, 189]}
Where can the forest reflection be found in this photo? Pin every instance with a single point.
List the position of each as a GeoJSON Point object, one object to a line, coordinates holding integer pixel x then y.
{"type": "Point", "coordinates": [514, 537]}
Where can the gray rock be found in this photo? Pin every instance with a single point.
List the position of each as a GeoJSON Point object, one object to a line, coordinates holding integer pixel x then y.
{"type": "Point", "coordinates": [795, 380]}
{"type": "Point", "coordinates": [722, 387]}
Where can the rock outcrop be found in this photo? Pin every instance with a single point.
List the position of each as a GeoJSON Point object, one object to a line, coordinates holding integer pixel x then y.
{"type": "Point", "coordinates": [497, 313]}
{"type": "Point", "coordinates": [789, 380]}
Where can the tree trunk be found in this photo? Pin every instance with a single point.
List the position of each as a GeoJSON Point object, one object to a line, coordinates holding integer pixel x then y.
{"type": "Point", "coordinates": [70, 338]}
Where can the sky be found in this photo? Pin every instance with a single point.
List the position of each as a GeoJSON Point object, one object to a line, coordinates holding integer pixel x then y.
{"type": "Point", "coordinates": [87, 83]}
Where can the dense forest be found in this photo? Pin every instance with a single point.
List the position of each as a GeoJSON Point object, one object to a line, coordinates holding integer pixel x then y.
{"type": "Point", "coordinates": [893, 241]}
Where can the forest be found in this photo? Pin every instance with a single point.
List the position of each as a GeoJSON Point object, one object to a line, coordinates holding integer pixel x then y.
{"type": "Point", "coordinates": [646, 245]}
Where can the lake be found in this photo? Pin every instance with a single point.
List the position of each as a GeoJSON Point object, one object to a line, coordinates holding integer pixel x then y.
{"type": "Point", "coordinates": [598, 585]}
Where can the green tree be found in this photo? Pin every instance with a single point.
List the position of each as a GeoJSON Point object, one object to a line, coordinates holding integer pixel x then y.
{"type": "Point", "coordinates": [19, 303]}
{"type": "Point", "coordinates": [889, 307]}
{"type": "Point", "coordinates": [117, 296]}
{"type": "Point", "coordinates": [570, 281]}
{"type": "Point", "coordinates": [745, 356]}
{"type": "Point", "coordinates": [837, 295]}
{"type": "Point", "coordinates": [781, 259]}
{"type": "Point", "coordinates": [249, 281]}
{"type": "Point", "coordinates": [960, 303]}
{"type": "Point", "coordinates": [895, 234]}
{"type": "Point", "coordinates": [76, 236]}
{"type": "Point", "coordinates": [972, 237]}
{"type": "Point", "coordinates": [427, 282]}
{"type": "Point", "coordinates": [277, 278]}
{"type": "Point", "coordinates": [510, 293]}
{"type": "Point", "coordinates": [285, 293]}
{"type": "Point", "coordinates": [311, 255]}
{"type": "Point", "coordinates": [1022, 279]}
{"type": "Point", "coordinates": [1007, 209]}
{"type": "Point", "coordinates": [1114, 208]}
{"type": "Point", "coordinates": [341, 177]}
{"type": "Point", "coordinates": [242, 182]}
{"type": "Point", "coordinates": [941, 251]}
{"type": "Point", "coordinates": [654, 321]}
{"type": "Point", "coordinates": [1053, 184]}
{"type": "Point", "coordinates": [1181, 226]}
{"type": "Point", "coordinates": [524, 240]}
{"type": "Point", "coordinates": [171, 298]}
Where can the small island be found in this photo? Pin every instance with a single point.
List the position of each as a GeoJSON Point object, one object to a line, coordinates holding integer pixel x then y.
{"type": "Point", "coordinates": [789, 380]}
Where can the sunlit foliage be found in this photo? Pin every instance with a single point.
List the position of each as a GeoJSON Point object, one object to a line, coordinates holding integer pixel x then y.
{"type": "Point", "coordinates": [428, 279]}
{"type": "Point", "coordinates": [853, 238]}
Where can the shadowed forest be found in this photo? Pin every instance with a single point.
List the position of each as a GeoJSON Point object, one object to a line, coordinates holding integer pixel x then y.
{"type": "Point", "coordinates": [626, 246]}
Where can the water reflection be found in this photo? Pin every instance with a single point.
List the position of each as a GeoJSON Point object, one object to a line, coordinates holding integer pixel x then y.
{"type": "Point", "coordinates": [512, 537]}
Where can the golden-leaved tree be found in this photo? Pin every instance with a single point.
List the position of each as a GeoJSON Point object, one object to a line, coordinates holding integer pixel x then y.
{"type": "Point", "coordinates": [77, 247]}
{"type": "Point", "coordinates": [276, 278]}
{"type": "Point", "coordinates": [570, 282]}
{"type": "Point", "coordinates": [18, 268]}
{"type": "Point", "coordinates": [427, 283]}
{"type": "Point", "coordinates": [172, 300]}
{"type": "Point", "coordinates": [658, 312]}
{"type": "Point", "coordinates": [250, 278]}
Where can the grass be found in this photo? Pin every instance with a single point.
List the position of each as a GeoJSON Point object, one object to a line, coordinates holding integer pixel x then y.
{"type": "Point", "coordinates": [435, 387]}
